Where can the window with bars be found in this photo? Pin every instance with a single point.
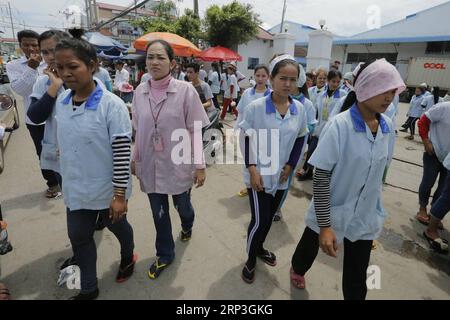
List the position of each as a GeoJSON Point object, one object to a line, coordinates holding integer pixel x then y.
{"type": "Point", "coordinates": [364, 57]}
{"type": "Point", "coordinates": [438, 47]}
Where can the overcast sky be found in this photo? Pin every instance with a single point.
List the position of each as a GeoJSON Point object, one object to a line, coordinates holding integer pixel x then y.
{"type": "Point", "coordinates": [343, 17]}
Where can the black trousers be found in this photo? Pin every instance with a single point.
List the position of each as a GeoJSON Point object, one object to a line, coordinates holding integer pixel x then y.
{"type": "Point", "coordinates": [356, 261]}
{"type": "Point", "coordinates": [312, 145]}
{"type": "Point", "coordinates": [37, 134]}
{"type": "Point", "coordinates": [263, 207]}
{"type": "Point", "coordinates": [411, 124]}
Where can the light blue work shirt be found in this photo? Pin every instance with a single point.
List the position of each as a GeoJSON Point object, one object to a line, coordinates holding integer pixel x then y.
{"type": "Point", "coordinates": [85, 137]}
{"type": "Point", "coordinates": [338, 107]}
{"type": "Point", "coordinates": [262, 114]}
{"type": "Point", "coordinates": [248, 97]}
{"type": "Point", "coordinates": [310, 111]}
{"type": "Point", "coordinates": [49, 155]}
{"type": "Point", "coordinates": [314, 92]}
{"type": "Point", "coordinates": [415, 107]}
{"type": "Point", "coordinates": [325, 107]}
{"type": "Point", "coordinates": [439, 133]}
{"type": "Point", "coordinates": [428, 102]}
{"type": "Point", "coordinates": [104, 77]}
{"type": "Point", "coordinates": [357, 161]}
{"type": "Point", "coordinates": [447, 162]}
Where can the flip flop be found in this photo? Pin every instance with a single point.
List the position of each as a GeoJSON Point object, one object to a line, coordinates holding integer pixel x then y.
{"type": "Point", "coordinates": [439, 245]}
{"type": "Point", "coordinates": [426, 221]}
{"type": "Point", "coordinates": [243, 193]}
{"type": "Point", "coordinates": [297, 280]}
{"type": "Point", "coordinates": [4, 292]}
{"type": "Point", "coordinates": [248, 275]}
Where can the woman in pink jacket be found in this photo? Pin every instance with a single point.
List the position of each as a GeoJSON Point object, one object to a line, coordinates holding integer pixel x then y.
{"type": "Point", "coordinates": [168, 159]}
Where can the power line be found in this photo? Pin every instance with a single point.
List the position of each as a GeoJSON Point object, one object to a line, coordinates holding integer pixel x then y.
{"type": "Point", "coordinates": [123, 13]}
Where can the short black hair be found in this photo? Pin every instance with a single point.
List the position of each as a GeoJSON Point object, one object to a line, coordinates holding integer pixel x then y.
{"type": "Point", "coordinates": [333, 73]}
{"type": "Point", "coordinates": [166, 45]}
{"type": "Point", "coordinates": [262, 67]}
{"type": "Point", "coordinates": [82, 49]}
{"type": "Point", "coordinates": [53, 33]}
{"type": "Point", "coordinates": [27, 34]}
{"type": "Point", "coordinates": [194, 65]}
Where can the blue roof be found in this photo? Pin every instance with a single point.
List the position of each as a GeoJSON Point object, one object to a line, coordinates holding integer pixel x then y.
{"type": "Point", "coordinates": [300, 31]}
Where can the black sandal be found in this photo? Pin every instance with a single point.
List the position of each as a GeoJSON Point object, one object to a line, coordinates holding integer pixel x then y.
{"type": "Point", "coordinates": [248, 275]}
{"type": "Point", "coordinates": [439, 245]}
{"type": "Point", "coordinates": [268, 258]}
{"type": "Point", "coordinates": [125, 273]}
{"type": "Point", "coordinates": [5, 292]}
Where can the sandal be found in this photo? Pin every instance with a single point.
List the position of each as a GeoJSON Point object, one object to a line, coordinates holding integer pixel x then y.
{"type": "Point", "coordinates": [297, 280]}
{"type": "Point", "coordinates": [248, 275]}
{"type": "Point", "coordinates": [4, 292]}
{"type": "Point", "coordinates": [125, 273]}
{"type": "Point", "coordinates": [426, 221]}
{"type": "Point", "coordinates": [439, 245]}
{"type": "Point", "coordinates": [243, 193]}
{"type": "Point", "coordinates": [268, 258]}
{"type": "Point", "coordinates": [156, 268]}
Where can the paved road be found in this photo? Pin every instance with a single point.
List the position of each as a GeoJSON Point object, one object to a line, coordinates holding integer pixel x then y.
{"type": "Point", "coordinates": [209, 266]}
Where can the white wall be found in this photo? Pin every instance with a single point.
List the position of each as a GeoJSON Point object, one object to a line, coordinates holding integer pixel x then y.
{"type": "Point", "coordinates": [253, 49]}
{"type": "Point", "coordinates": [406, 51]}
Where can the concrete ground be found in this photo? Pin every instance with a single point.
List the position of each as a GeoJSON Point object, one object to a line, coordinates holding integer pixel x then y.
{"type": "Point", "coordinates": [209, 266]}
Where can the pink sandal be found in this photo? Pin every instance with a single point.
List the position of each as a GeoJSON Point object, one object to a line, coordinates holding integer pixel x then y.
{"type": "Point", "coordinates": [297, 280]}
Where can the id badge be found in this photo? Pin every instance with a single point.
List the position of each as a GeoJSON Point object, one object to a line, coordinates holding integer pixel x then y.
{"type": "Point", "coordinates": [158, 142]}
{"type": "Point", "coordinates": [325, 114]}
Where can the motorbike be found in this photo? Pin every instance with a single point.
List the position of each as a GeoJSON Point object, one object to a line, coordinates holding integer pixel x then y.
{"type": "Point", "coordinates": [9, 117]}
{"type": "Point", "coordinates": [212, 142]}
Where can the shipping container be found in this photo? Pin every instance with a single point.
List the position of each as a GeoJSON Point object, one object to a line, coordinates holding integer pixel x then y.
{"type": "Point", "coordinates": [432, 71]}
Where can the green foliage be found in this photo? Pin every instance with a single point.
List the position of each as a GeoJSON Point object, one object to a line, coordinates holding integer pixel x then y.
{"type": "Point", "coordinates": [231, 24]}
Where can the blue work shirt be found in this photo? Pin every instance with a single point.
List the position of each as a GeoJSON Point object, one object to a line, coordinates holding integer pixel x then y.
{"type": "Point", "coordinates": [49, 155]}
{"type": "Point", "coordinates": [325, 108]}
{"type": "Point", "coordinates": [415, 108]}
{"type": "Point", "coordinates": [357, 162]}
{"type": "Point", "coordinates": [272, 130]}
{"type": "Point", "coordinates": [85, 136]}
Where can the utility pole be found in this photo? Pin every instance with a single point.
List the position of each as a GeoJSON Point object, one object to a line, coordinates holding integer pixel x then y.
{"type": "Point", "coordinates": [12, 23]}
{"type": "Point", "coordinates": [88, 13]}
{"type": "Point", "coordinates": [282, 18]}
{"type": "Point", "coordinates": [196, 10]}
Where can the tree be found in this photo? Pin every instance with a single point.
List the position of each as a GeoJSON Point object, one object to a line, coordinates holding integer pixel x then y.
{"type": "Point", "coordinates": [164, 20]}
{"type": "Point", "coordinates": [231, 24]}
{"type": "Point", "coordinates": [189, 26]}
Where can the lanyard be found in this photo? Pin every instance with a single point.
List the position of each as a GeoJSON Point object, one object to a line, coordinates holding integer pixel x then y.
{"type": "Point", "coordinates": [155, 119]}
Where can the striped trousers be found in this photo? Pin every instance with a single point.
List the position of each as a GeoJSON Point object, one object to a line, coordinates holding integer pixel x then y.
{"type": "Point", "coordinates": [263, 207]}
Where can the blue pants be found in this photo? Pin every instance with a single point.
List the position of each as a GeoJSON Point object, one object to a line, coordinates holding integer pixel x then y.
{"type": "Point", "coordinates": [432, 167]}
{"type": "Point", "coordinates": [442, 206]}
{"type": "Point", "coordinates": [159, 203]}
{"type": "Point", "coordinates": [81, 228]}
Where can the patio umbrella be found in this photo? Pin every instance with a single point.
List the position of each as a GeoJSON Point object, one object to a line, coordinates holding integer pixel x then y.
{"type": "Point", "coordinates": [106, 44]}
{"type": "Point", "coordinates": [181, 46]}
{"type": "Point", "coordinates": [219, 54]}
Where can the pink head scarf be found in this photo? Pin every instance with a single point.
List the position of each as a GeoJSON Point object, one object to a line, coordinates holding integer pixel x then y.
{"type": "Point", "coordinates": [379, 77]}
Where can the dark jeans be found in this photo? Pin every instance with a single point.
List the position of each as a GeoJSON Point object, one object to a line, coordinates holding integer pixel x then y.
{"type": "Point", "coordinates": [159, 203]}
{"type": "Point", "coordinates": [216, 102]}
{"type": "Point", "coordinates": [356, 262]}
{"type": "Point", "coordinates": [81, 228]}
{"type": "Point", "coordinates": [37, 134]}
{"type": "Point", "coordinates": [432, 167]}
{"type": "Point", "coordinates": [263, 207]}
{"type": "Point", "coordinates": [312, 145]}
{"type": "Point", "coordinates": [442, 206]}
{"type": "Point", "coordinates": [411, 124]}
